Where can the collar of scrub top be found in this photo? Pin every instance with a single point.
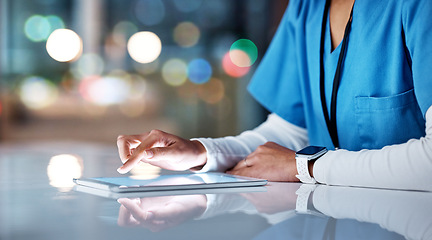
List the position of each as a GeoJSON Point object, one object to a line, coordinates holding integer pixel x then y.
{"type": "Point", "coordinates": [331, 121]}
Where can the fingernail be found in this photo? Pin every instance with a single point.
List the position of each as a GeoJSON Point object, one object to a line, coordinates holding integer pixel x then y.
{"type": "Point", "coordinates": [149, 216]}
{"type": "Point", "coordinates": [120, 170]}
{"type": "Point", "coordinates": [149, 154]}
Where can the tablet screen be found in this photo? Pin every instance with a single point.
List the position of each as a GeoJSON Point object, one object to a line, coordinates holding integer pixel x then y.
{"type": "Point", "coordinates": [171, 180]}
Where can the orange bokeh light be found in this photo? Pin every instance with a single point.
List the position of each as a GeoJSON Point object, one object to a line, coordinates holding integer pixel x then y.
{"type": "Point", "coordinates": [231, 69]}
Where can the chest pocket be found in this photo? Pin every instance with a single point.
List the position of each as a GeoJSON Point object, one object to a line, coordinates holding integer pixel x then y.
{"type": "Point", "coordinates": [389, 120]}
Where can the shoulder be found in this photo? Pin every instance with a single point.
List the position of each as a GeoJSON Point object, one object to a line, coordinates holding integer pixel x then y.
{"type": "Point", "coordinates": [301, 11]}
{"type": "Point", "coordinates": [412, 9]}
{"type": "Point", "coordinates": [416, 17]}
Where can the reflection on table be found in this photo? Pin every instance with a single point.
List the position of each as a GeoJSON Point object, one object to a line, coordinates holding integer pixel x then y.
{"type": "Point", "coordinates": [38, 201]}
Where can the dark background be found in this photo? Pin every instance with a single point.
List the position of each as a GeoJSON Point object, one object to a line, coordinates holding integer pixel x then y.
{"type": "Point", "coordinates": [219, 107]}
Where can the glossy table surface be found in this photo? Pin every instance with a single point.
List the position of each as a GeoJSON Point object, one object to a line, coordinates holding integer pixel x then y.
{"type": "Point", "coordinates": [38, 201]}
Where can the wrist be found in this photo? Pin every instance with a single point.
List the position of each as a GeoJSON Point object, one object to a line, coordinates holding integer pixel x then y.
{"type": "Point", "coordinates": [201, 155]}
{"type": "Point", "coordinates": [305, 160]}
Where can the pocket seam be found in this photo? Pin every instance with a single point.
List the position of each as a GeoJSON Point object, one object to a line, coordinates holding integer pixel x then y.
{"type": "Point", "coordinates": [375, 104]}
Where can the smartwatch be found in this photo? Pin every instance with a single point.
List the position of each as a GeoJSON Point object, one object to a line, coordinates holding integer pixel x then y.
{"type": "Point", "coordinates": [310, 153]}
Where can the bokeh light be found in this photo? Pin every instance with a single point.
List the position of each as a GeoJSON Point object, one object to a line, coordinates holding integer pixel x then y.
{"type": "Point", "coordinates": [186, 34]}
{"type": "Point", "coordinates": [124, 30]}
{"type": "Point", "coordinates": [89, 64]}
{"type": "Point", "coordinates": [212, 92]}
{"type": "Point", "coordinates": [37, 28]}
{"type": "Point", "coordinates": [240, 58]}
{"type": "Point", "coordinates": [243, 53]}
{"type": "Point", "coordinates": [199, 71]}
{"type": "Point", "coordinates": [149, 12]}
{"type": "Point", "coordinates": [37, 93]}
{"type": "Point", "coordinates": [145, 171]}
{"type": "Point", "coordinates": [139, 87]}
{"type": "Point", "coordinates": [144, 47]}
{"type": "Point", "coordinates": [64, 45]}
{"type": "Point", "coordinates": [104, 90]}
{"type": "Point", "coordinates": [55, 22]}
{"type": "Point", "coordinates": [231, 69]}
{"type": "Point", "coordinates": [62, 169]}
{"type": "Point", "coordinates": [174, 72]}
{"type": "Point", "coordinates": [187, 6]}
{"type": "Point", "coordinates": [135, 103]}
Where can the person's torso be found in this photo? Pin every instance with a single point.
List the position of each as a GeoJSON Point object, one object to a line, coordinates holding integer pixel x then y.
{"type": "Point", "coordinates": [376, 104]}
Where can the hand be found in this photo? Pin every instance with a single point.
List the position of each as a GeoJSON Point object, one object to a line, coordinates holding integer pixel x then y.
{"type": "Point", "coordinates": [159, 213]}
{"type": "Point", "coordinates": [160, 149]}
{"type": "Point", "coordinates": [278, 197]}
{"type": "Point", "coordinates": [269, 161]}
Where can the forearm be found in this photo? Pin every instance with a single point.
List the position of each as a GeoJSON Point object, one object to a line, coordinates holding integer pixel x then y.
{"type": "Point", "coordinates": [403, 166]}
{"type": "Point", "coordinates": [224, 153]}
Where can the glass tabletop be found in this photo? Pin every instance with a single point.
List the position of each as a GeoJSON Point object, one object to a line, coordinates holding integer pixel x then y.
{"type": "Point", "coordinates": [38, 200]}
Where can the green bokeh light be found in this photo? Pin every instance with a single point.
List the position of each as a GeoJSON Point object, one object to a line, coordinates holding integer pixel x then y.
{"type": "Point", "coordinates": [37, 28]}
{"type": "Point", "coordinates": [248, 47]}
{"type": "Point", "coordinates": [55, 22]}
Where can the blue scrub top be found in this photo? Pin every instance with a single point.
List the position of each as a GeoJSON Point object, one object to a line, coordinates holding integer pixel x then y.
{"type": "Point", "coordinates": [386, 83]}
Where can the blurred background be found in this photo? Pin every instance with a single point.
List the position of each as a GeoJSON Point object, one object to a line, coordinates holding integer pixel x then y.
{"type": "Point", "coordinates": [89, 70]}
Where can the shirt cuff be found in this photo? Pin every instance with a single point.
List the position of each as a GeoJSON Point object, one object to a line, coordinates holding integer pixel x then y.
{"type": "Point", "coordinates": [321, 167]}
{"type": "Point", "coordinates": [211, 164]}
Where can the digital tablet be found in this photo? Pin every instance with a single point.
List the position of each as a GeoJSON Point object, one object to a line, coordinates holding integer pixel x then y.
{"type": "Point", "coordinates": [146, 194]}
{"type": "Point", "coordinates": [170, 182]}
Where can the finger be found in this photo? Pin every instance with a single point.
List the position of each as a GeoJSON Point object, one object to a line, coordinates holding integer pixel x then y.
{"type": "Point", "coordinates": [134, 209]}
{"type": "Point", "coordinates": [246, 172]}
{"type": "Point", "coordinates": [131, 162]}
{"type": "Point", "coordinates": [125, 219]}
{"type": "Point", "coordinates": [244, 163]}
{"type": "Point", "coordinates": [125, 144]}
{"type": "Point", "coordinates": [170, 153]}
{"type": "Point", "coordinates": [164, 157]}
{"type": "Point", "coordinates": [169, 212]}
{"type": "Point", "coordinates": [147, 152]}
{"type": "Point", "coordinates": [139, 154]}
{"type": "Point", "coordinates": [123, 147]}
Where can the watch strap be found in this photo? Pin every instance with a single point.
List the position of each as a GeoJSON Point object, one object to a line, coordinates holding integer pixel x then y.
{"type": "Point", "coordinates": [302, 204]}
{"type": "Point", "coordinates": [303, 171]}
{"type": "Point", "coordinates": [303, 194]}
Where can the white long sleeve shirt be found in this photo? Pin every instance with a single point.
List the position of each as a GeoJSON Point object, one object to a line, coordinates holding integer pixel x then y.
{"type": "Point", "coordinates": [401, 166]}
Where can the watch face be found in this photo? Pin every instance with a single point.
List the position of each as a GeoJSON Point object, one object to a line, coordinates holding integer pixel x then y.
{"type": "Point", "coordinates": [311, 150]}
